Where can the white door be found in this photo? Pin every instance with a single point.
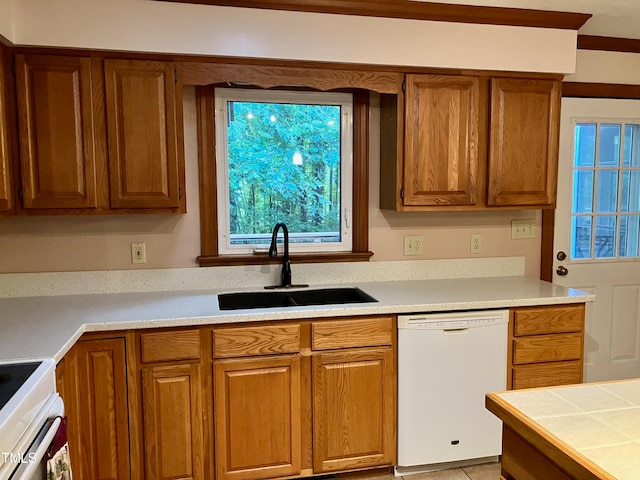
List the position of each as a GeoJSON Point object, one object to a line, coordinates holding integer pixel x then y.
{"type": "Point", "coordinates": [597, 228]}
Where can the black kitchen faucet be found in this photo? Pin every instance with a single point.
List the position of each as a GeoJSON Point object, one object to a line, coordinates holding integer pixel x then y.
{"type": "Point", "coordinates": [285, 276]}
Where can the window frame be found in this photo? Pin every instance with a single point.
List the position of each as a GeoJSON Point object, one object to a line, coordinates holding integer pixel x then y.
{"type": "Point", "coordinates": [210, 256]}
{"type": "Point", "coordinates": [223, 95]}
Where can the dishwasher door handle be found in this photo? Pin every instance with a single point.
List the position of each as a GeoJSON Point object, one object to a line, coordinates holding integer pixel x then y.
{"type": "Point", "coordinates": [455, 331]}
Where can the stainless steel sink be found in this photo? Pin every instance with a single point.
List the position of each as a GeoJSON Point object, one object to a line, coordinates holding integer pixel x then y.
{"type": "Point", "coordinates": [279, 299]}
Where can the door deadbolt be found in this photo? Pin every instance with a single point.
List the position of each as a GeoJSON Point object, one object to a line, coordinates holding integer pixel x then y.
{"type": "Point", "coordinates": [561, 255]}
{"type": "Point", "coordinates": [562, 271]}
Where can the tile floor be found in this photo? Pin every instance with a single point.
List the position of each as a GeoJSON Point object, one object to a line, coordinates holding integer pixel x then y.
{"type": "Point", "coordinates": [486, 471]}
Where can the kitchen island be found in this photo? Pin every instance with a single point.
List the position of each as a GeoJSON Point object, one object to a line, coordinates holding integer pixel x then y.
{"type": "Point", "coordinates": [585, 432]}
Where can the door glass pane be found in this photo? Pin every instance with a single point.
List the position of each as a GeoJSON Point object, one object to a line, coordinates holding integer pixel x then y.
{"type": "Point", "coordinates": [605, 236]}
{"type": "Point", "coordinates": [580, 237]}
{"type": "Point", "coordinates": [607, 191]}
{"type": "Point", "coordinates": [630, 201]}
{"type": "Point", "coordinates": [609, 154]}
{"type": "Point", "coordinates": [629, 228]}
{"type": "Point", "coordinates": [585, 145]}
{"type": "Point", "coordinates": [631, 137]}
{"type": "Point", "coordinates": [582, 191]}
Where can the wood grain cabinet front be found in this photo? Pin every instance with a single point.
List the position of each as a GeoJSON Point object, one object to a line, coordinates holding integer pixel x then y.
{"type": "Point", "coordinates": [99, 135]}
{"type": "Point", "coordinates": [92, 380]}
{"type": "Point", "coordinates": [58, 118]}
{"type": "Point", "coordinates": [546, 346]}
{"type": "Point", "coordinates": [6, 183]}
{"type": "Point", "coordinates": [469, 143]}
{"type": "Point", "coordinates": [144, 124]}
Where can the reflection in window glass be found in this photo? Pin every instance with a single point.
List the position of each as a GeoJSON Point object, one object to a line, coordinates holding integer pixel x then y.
{"type": "Point", "coordinates": [605, 236]}
{"type": "Point", "coordinates": [607, 191]}
{"type": "Point", "coordinates": [581, 237]}
{"type": "Point", "coordinates": [629, 228]}
{"type": "Point", "coordinates": [585, 145]}
{"type": "Point", "coordinates": [583, 191]}
{"type": "Point", "coordinates": [631, 157]}
{"type": "Point", "coordinates": [630, 195]}
{"type": "Point", "coordinates": [609, 154]}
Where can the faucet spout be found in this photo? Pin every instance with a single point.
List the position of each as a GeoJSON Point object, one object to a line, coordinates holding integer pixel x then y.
{"type": "Point", "coordinates": [285, 275]}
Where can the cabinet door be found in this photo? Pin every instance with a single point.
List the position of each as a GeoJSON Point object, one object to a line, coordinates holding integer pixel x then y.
{"type": "Point", "coordinates": [144, 118]}
{"type": "Point", "coordinates": [173, 418]}
{"type": "Point", "coordinates": [6, 197]}
{"type": "Point", "coordinates": [257, 417]}
{"type": "Point", "coordinates": [92, 382]}
{"type": "Point", "coordinates": [523, 152]}
{"type": "Point", "coordinates": [441, 140]}
{"type": "Point", "coordinates": [354, 409]}
{"type": "Point", "coordinates": [57, 138]}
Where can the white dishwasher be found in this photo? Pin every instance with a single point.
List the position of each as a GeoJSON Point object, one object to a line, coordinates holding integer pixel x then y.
{"type": "Point", "coordinates": [447, 362]}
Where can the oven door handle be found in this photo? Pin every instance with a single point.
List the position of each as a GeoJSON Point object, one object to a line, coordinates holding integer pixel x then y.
{"type": "Point", "coordinates": [37, 451]}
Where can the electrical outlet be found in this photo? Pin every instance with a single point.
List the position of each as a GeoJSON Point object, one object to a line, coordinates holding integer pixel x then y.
{"type": "Point", "coordinates": [476, 243]}
{"type": "Point", "coordinates": [522, 229]}
{"type": "Point", "coordinates": [413, 245]}
{"type": "Point", "coordinates": [138, 253]}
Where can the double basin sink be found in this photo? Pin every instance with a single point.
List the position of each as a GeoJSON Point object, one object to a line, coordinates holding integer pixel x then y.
{"type": "Point", "coordinates": [293, 298]}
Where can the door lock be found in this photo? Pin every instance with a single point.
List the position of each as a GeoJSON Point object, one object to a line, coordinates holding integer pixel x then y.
{"type": "Point", "coordinates": [561, 255]}
{"type": "Point", "coordinates": [562, 271]}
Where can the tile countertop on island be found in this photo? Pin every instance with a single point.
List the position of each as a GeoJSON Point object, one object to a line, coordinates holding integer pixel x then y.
{"type": "Point", "coordinates": [47, 327]}
{"type": "Point", "coordinates": [588, 431]}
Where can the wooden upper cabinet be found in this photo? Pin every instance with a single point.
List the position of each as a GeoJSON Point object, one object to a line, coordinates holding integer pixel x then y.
{"type": "Point", "coordinates": [523, 152]}
{"type": "Point", "coordinates": [57, 125]}
{"type": "Point", "coordinates": [6, 196]}
{"type": "Point", "coordinates": [144, 124]}
{"type": "Point", "coordinates": [441, 140]}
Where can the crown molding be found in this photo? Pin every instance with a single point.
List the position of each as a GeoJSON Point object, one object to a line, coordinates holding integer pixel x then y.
{"type": "Point", "coordinates": [608, 44]}
{"type": "Point", "coordinates": [416, 10]}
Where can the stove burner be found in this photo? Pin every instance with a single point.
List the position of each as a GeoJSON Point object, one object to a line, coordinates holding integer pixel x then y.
{"type": "Point", "coordinates": [12, 376]}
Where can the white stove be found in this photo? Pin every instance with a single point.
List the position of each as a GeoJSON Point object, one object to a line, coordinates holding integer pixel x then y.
{"type": "Point", "coordinates": [29, 417]}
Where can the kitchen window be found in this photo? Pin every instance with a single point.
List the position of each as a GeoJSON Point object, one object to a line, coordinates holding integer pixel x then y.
{"type": "Point", "coordinates": [283, 156]}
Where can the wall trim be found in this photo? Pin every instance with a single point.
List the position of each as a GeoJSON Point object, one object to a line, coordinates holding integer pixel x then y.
{"type": "Point", "coordinates": [608, 44]}
{"type": "Point", "coordinates": [414, 10]}
{"type": "Point", "coordinates": [600, 90]}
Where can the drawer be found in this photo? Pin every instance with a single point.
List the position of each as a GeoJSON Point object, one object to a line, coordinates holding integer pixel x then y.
{"type": "Point", "coordinates": [547, 348]}
{"type": "Point", "coordinates": [246, 341]}
{"type": "Point", "coordinates": [170, 345]}
{"type": "Point", "coordinates": [370, 332]}
{"type": "Point", "coordinates": [546, 374]}
{"type": "Point", "coordinates": [539, 321]}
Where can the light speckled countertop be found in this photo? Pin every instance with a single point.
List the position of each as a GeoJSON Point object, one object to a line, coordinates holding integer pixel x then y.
{"type": "Point", "coordinates": [47, 327]}
{"type": "Point", "coordinates": [597, 425]}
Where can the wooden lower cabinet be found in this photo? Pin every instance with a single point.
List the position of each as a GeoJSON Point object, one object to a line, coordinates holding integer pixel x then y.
{"type": "Point", "coordinates": [249, 402]}
{"type": "Point", "coordinates": [353, 409]}
{"type": "Point", "coordinates": [172, 411]}
{"type": "Point", "coordinates": [546, 346]}
{"type": "Point", "coordinates": [257, 417]}
{"type": "Point", "coordinates": [92, 380]}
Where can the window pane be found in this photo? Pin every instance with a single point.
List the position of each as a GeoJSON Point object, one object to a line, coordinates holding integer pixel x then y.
{"type": "Point", "coordinates": [630, 201]}
{"type": "Point", "coordinates": [585, 145]}
{"type": "Point", "coordinates": [629, 228]}
{"type": "Point", "coordinates": [609, 145]}
{"type": "Point", "coordinates": [582, 191]}
{"type": "Point", "coordinates": [284, 166]}
{"type": "Point", "coordinates": [605, 236]}
{"type": "Point", "coordinates": [631, 154]}
{"type": "Point", "coordinates": [581, 237]}
{"type": "Point", "coordinates": [607, 191]}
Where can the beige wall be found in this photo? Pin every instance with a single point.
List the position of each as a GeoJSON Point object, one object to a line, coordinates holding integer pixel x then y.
{"type": "Point", "coordinates": [6, 19]}
{"type": "Point", "coordinates": [71, 243]}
